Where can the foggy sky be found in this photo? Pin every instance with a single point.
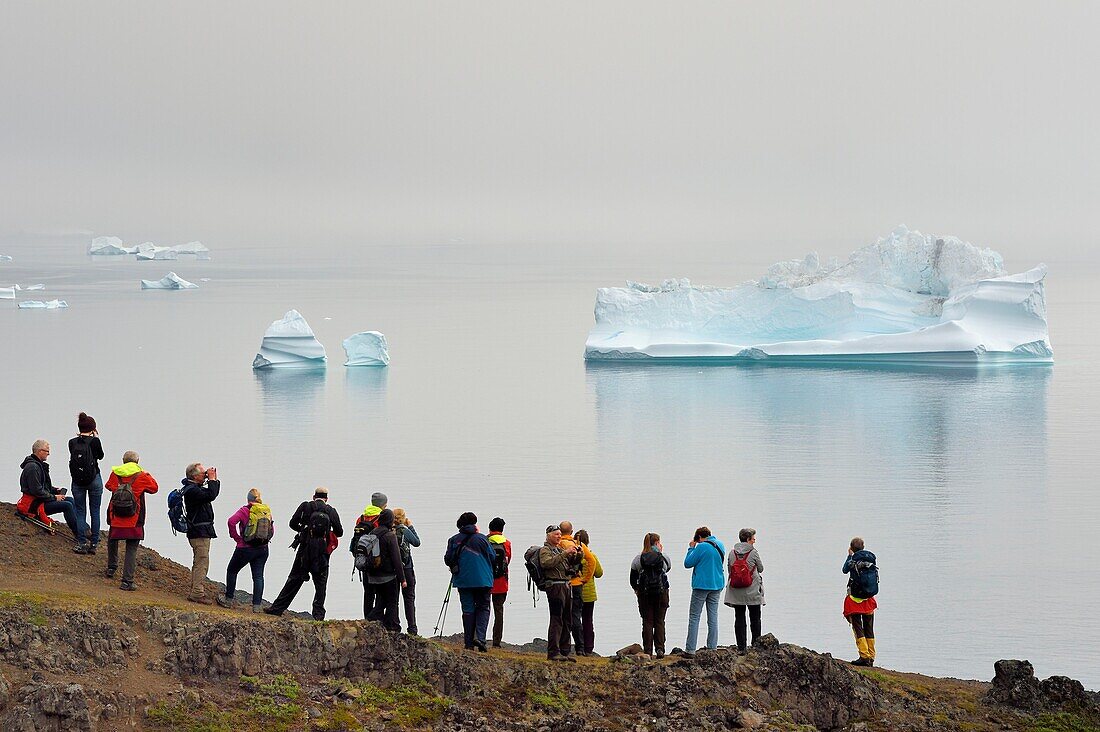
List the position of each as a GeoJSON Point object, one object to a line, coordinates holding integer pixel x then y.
{"type": "Point", "coordinates": [619, 125]}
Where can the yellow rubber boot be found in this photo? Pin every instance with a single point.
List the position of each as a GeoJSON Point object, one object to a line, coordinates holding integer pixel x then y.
{"type": "Point", "coordinates": [870, 643]}
{"type": "Point", "coordinates": [861, 644]}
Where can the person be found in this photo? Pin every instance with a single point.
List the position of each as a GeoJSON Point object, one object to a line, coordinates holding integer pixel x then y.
{"type": "Point", "coordinates": [745, 560]}
{"type": "Point", "coordinates": [576, 583]}
{"type": "Point", "coordinates": [386, 579]}
{"type": "Point", "coordinates": [252, 551]}
{"type": "Point", "coordinates": [35, 483]}
{"type": "Point", "coordinates": [317, 524]}
{"type": "Point", "coordinates": [471, 561]}
{"type": "Point", "coordinates": [200, 488]}
{"type": "Point", "coordinates": [590, 572]}
{"type": "Point", "coordinates": [649, 580]}
{"type": "Point", "coordinates": [407, 538]}
{"type": "Point", "coordinates": [364, 524]}
{"type": "Point", "coordinates": [85, 452]}
{"type": "Point", "coordinates": [859, 602]}
{"type": "Point", "coordinates": [559, 565]}
{"type": "Point", "coordinates": [705, 557]}
{"type": "Point", "coordinates": [131, 528]}
{"type": "Point", "coordinates": [500, 580]}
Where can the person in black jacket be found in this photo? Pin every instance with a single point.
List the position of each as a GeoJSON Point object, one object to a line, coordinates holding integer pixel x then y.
{"type": "Point", "coordinates": [200, 488]}
{"type": "Point", "coordinates": [85, 452]}
{"type": "Point", "coordinates": [35, 482]}
{"type": "Point", "coordinates": [388, 577]}
{"type": "Point", "coordinates": [317, 523]}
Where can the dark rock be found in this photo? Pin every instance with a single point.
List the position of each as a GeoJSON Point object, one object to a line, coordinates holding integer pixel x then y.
{"type": "Point", "coordinates": [766, 642]}
{"type": "Point", "coordinates": [55, 707]}
{"type": "Point", "coordinates": [633, 649]}
{"type": "Point", "coordinates": [1014, 685]}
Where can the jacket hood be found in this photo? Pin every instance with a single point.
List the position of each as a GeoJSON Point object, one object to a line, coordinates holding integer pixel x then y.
{"type": "Point", "coordinates": [126, 470]}
{"type": "Point", "coordinates": [742, 547]}
{"type": "Point", "coordinates": [468, 529]}
{"type": "Point", "coordinates": [497, 537]}
{"type": "Point", "coordinates": [372, 511]}
{"type": "Point", "coordinates": [29, 459]}
{"type": "Point", "coordinates": [385, 518]}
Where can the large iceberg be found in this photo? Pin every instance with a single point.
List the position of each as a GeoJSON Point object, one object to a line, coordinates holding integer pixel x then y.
{"type": "Point", "coordinates": [290, 343]}
{"type": "Point", "coordinates": [170, 281]}
{"type": "Point", "coordinates": [108, 245]}
{"type": "Point", "coordinates": [909, 297]}
{"type": "Point", "coordinates": [40, 305]}
{"type": "Point", "coordinates": [368, 348]}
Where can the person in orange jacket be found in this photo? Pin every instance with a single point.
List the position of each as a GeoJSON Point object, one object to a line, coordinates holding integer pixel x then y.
{"type": "Point", "coordinates": [576, 585]}
{"type": "Point", "coordinates": [126, 516]}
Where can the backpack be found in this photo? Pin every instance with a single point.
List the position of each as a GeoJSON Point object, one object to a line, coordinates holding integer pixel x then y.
{"type": "Point", "coordinates": [405, 547]}
{"type": "Point", "coordinates": [257, 531]}
{"type": "Point", "coordinates": [535, 577]}
{"type": "Point", "coordinates": [456, 557]}
{"type": "Point", "coordinates": [123, 501]}
{"type": "Point", "coordinates": [82, 465]}
{"type": "Point", "coordinates": [363, 525]}
{"type": "Point", "coordinates": [500, 560]}
{"type": "Point", "coordinates": [740, 571]}
{"type": "Point", "coordinates": [864, 576]}
{"type": "Point", "coordinates": [320, 524]}
{"type": "Point", "coordinates": [651, 578]}
{"type": "Point", "coordinates": [176, 515]}
{"type": "Point", "coordinates": [368, 552]}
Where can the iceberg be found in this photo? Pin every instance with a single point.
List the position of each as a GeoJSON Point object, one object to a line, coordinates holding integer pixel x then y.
{"type": "Point", "coordinates": [368, 348]}
{"type": "Point", "coordinates": [108, 245]}
{"type": "Point", "coordinates": [907, 298]}
{"type": "Point", "coordinates": [28, 288]}
{"type": "Point", "coordinates": [197, 248]}
{"type": "Point", "coordinates": [5, 258]}
{"type": "Point", "coordinates": [171, 281]}
{"type": "Point", "coordinates": [7, 293]}
{"type": "Point", "coordinates": [149, 251]}
{"type": "Point", "coordinates": [290, 343]}
{"type": "Point", "coordinates": [48, 305]}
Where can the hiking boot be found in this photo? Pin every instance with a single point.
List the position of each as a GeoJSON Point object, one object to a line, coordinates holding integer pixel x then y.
{"type": "Point", "coordinates": [128, 586]}
{"type": "Point", "coordinates": [566, 659]}
{"type": "Point", "coordinates": [80, 548]}
{"type": "Point", "coordinates": [687, 654]}
{"type": "Point", "coordinates": [91, 549]}
{"type": "Point", "coordinates": [110, 573]}
{"type": "Point", "coordinates": [257, 608]}
{"type": "Point", "coordinates": [225, 602]}
{"type": "Point", "coordinates": [272, 611]}
{"type": "Point", "coordinates": [200, 599]}
{"type": "Point", "coordinates": [480, 646]}
{"type": "Point", "coordinates": [863, 662]}
{"type": "Point", "coordinates": [660, 655]}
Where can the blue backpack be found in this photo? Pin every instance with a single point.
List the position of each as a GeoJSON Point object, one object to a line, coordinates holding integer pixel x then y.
{"type": "Point", "coordinates": [176, 515]}
{"type": "Point", "coordinates": [864, 575]}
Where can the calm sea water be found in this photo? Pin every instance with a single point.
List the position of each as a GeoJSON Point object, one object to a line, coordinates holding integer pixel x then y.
{"type": "Point", "coordinates": [976, 488]}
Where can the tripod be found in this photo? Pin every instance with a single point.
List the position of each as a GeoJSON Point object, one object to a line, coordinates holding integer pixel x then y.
{"type": "Point", "coordinates": [442, 619]}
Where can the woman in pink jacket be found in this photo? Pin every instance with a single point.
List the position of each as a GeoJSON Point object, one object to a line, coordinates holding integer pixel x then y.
{"type": "Point", "coordinates": [252, 528]}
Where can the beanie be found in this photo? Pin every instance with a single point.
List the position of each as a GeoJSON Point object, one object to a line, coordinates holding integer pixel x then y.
{"type": "Point", "coordinates": [496, 524]}
{"type": "Point", "coordinates": [379, 499]}
{"type": "Point", "coordinates": [84, 423]}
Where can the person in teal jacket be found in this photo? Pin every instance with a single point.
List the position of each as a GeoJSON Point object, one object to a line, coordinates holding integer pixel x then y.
{"type": "Point", "coordinates": [471, 561]}
{"type": "Point", "coordinates": [706, 558]}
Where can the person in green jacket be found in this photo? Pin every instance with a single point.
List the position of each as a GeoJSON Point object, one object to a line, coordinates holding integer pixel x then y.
{"type": "Point", "coordinates": [590, 572]}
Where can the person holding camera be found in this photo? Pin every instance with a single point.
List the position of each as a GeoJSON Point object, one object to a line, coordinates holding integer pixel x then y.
{"type": "Point", "coordinates": [706, 558]}
{"type": "Point", "coordinates": [559, 564]}
{"type": "Point", "coordinates": [471, 561]}
{"type": "Point", "coordinates": [317, 530]}
{"type": "Point", "coordinates": [85, 452]}
{"type": "Point", "coordinates": [35, 484]}
{"type": "Point", "coordinates": [200, 488]}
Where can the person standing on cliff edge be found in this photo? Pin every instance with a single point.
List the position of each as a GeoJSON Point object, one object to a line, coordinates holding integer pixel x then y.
{"type": "Point", "coordinates": [318, 526]}
{"type": "Point", "coordinates": [200, 489]}
{"type": "Point", "coordinates": [859, 602]}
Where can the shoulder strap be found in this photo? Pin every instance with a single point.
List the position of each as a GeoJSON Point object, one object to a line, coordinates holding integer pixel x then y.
{"type": "Point", "coordinates": [721, 554]}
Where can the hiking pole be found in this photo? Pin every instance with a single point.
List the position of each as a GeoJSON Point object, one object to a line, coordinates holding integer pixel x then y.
{"type": "Point", "coordinates": [442, 619]}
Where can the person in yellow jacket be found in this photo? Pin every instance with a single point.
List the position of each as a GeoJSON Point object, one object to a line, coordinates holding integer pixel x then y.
{"type": "Point", "coordinates": [576, 584]}
{"type": "Point", "coordinates": [590, 572]}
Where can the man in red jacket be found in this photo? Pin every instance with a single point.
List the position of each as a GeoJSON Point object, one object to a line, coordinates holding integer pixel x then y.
{"type": "Point", "coordinates": [131, 527]}
{"type": "Point", "coordinates": [500, 584]}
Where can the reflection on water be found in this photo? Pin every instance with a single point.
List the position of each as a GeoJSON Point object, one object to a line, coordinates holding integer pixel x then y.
{"type": "Point", "coordinates": [366, 386]}
{"type": "Point", "coordinates": [289, 399]}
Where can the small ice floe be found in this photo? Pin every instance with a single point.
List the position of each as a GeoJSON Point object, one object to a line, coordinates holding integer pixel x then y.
{"type": "Point", "coordinates": [171, 281]}
{"type": "Point", "coordinates": [108, 245]}
{"type": "Point", "coordinates": [149, 251]}
{"type": "Point", "coordinates": [7, 293]}
{"type": "Point", "coordinates": [5, 258]}
{"type": "Point", "coordinates": [40, 305]}
{"type": "Point", "coordinates": [39, 286]}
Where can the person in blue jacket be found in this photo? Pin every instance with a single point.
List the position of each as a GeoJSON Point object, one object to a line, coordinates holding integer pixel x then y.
{"type": "Point", "coordinates": [706, 557]}
{"type": "Point", "coordinates": [471, 561]}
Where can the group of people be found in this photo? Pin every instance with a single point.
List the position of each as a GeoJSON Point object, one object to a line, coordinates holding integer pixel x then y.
{"type": "Point", "coordinates": [564, 567]}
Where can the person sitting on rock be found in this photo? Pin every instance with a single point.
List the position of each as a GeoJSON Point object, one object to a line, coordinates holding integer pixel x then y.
{"type": "Point", "coordinates": [649, 580]}
{"type": "Point", "coordinates": [35, 483]}
{"type": "Point", "coordinates": [859, 601]}
{"type": "Point", "coordinates": [317, 525]}
{"type": "Point", "coordinates": [745, 566]}
{"type": "Point", "coordinates": [126, 515]}
{"type": "Point", "coordinates": [471, 561]}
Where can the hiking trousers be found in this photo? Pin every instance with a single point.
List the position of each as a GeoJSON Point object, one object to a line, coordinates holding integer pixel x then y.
{"type": "Point", "coordinates": [498, 617]}
{"type": "Point", "coordinates": [88, 499]}
{"type": "Point", "coordinates": [710, 598]}
{"type": "Point", "coordinates": [129, 562]}
{"type": "Point", "coordinates": [66, 508]}
{"type": "Point", "coordinates": [739, 628]}
{"type": "Point", "coordinates": [588, 631]}
{"type": "Point", "coordinates": [576, 618]}
{"type": "Point", "coordinates": [200, 565]}
{"type": "Point", "coordinates": [303, 569]}
{"type": "Point", "coordinates": [475, 614]}
{"type": "Point", "coordinates": [408, 594]}
{"type": "Point", "coordinates": [254, 557]}
{"type": "Point", "coordinates": [386, 597]}
{"type": "Point", "coordinates": [559, 597]}
{"type": "Point", "coordinates": [652, 608]}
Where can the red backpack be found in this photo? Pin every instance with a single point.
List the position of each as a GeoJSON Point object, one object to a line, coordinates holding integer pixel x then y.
{"type": "Point", "coordinates": [740, 571]}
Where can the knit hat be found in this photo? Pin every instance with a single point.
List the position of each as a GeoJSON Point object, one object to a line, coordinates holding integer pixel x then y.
{"type": "Point", "coordinates": [496, 524]}
{"type": "Point", "coordinates": [385, 518]}
{"type": "Point", "coordinates": [321, 492]}
{"type": "Point", "coordinates": [379, 499]}
{"type": "Point", "coordinates": [84, 423]}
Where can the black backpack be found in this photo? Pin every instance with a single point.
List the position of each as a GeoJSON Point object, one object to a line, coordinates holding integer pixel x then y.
{"type": "Point", "coordinates": [320, 525]}
{"type": "Point", "coordinates": [651, 578]}
{"type": "Point", "coordinates": [500, 560]}
{"type": "Point", "coordinates": [82, 464]}
{"type": "Point", "coordinates": [123, 502]}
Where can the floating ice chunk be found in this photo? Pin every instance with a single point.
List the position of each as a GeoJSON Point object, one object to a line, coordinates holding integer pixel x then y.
{"type": "Point", "coordinates": [108, 245]}
{"type": "Point", "coordinates": [908, 297]}
{"type": "Point", "coordinates": [48, 305]}
{"type": "Point", "coordinates": [290, 343]}
{"type": "Point", "coordinates": [17, 288]}
{"type": "Point", "coordinates": [368, 348]}
{"type": "Point", "coordinates": [149, 251]}
{"type": "Point", "coordinates": [7, 293]}
{"type": "Point", "coordinates": [171, 281]}
{"type": "Point", "coordinates": [5, 258]}
{"type": "Point", "coordinates": [192, 247]}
